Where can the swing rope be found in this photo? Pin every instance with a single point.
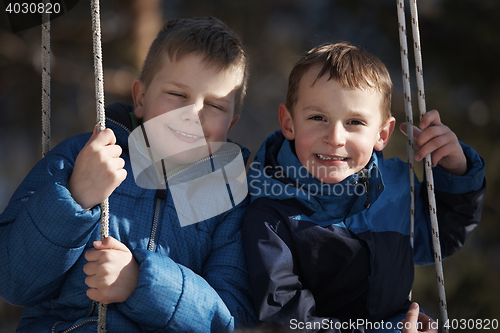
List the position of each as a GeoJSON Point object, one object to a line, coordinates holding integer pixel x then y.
{"type": "Point", "coordinates": [427, 160]}
{"type": "Point", "coordinates": [408, 109]}
{"type": "Point", "coordinates": [101, 117]}
{"type": "Point", "coordinates": [45, 82]}
{"type": "Point", "coordinates": [409, 113]}
{"type": "Point", "coordinates": [101, 125]}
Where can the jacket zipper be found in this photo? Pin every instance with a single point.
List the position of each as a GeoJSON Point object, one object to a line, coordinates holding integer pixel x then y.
{"type": "Point", "coordinates": [119, 124]}
{"type": "Point", "coordinates": [161, 195]}
{"type": "Point", "coordinates": [201, 161]}
{"type": "Point", "coordinates": [80, 324]}
{"type": "Point", "coordinates": [92, 308]}
{"type": "Point", "coordinates": [74, 327]}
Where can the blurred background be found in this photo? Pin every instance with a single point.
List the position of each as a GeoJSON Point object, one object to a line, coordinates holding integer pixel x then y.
{"type": "Point", "coordinates": [461, 54]}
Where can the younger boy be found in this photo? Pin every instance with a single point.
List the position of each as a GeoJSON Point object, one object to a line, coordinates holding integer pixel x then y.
{"type": "Point", "coordinates": [154, 274]}
{"type": "Point", "coordinates": [327, 235]}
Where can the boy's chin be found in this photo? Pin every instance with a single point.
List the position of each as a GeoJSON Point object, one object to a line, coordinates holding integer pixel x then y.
{"type": "Point", "coordinates": [332, 176]}
{"type": "Point", "coordinates": [339, 175]}
{"type": "Point", "coordinates": [332, 180]}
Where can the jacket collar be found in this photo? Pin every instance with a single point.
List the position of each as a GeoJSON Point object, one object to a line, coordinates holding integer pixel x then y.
{"type": "Point", "coordinates": [282, 176]}
{"type": "Point", "coordinates": [118, 119]}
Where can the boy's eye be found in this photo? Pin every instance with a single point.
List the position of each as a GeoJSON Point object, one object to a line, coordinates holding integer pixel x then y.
{"type": "Point", "coordinates": [355, 122]}
{"type": "Point", "coordinates": [218, 107]}
{"type": "Point", "coordinates": [318, 118]}
{"type": "Point", "coordinates": [176, 94]}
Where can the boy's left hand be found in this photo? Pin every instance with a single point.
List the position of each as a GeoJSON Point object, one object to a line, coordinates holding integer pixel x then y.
{"type": "Point", "coordinates": [418, 322]}
{"type": "Point", "coordinates": [437, 139]}
{"type": "Point", "coordinates": [112, 271]}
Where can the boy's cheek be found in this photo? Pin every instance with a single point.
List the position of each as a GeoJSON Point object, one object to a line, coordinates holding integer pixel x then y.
{"type": "Point", "coordinates": [216, 130]}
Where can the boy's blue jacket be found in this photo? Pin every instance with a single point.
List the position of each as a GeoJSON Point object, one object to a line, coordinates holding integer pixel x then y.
{"type": "Point", "coordinates": [194, 279]}
{"type": "Point", "coordinates": [329, 253]}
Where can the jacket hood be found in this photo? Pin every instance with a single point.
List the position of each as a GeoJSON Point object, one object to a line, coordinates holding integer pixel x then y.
{"type": "Point", "coordinates": [277, 173]}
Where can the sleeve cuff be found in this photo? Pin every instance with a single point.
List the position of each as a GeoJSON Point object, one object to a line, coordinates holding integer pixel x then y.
{"type": "Point", "coordinates": [470, 182]}
{"type": "Point", "coordinates": [58, 217]}
{"type": "Point", "coordinates": [158, 291]}
{"type": "Point", "coordinates": [171, 297]}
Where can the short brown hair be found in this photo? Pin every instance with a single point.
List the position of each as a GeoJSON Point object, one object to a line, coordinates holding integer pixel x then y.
{"type": "Point", "coordinates": [347, 64]}
{"type": "Point", "coordinates": [206, 36]}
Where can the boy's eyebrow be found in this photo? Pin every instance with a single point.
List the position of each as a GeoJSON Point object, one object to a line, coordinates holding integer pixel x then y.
{"type": "Point", "coordinates": [312, 108]}
{"type": "Point", "coordinates": [222, 99]}
{"type": "Point", "coordinates": [356, 113]}
{"type": "Point", "coordinates": [184, 86]}
{"type": "Point", "coordinates": [178, 84]}
{"type": "Point", "coordinates": [352, 113]}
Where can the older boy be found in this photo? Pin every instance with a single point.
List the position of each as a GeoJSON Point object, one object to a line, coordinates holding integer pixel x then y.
{"type": "Point", "coordinates": [154, 274]}
{"type": "Point", "coordinates": [327, 235]}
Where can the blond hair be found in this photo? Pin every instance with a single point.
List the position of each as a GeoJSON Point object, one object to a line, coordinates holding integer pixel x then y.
{"type": "Point", "coordinates": [207, 36]}
{"type": "Point", "coordinates": [347, 64]}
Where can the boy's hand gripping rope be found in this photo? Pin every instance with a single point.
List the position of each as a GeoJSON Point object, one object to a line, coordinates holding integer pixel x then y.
{"type": "Point", "coordinates": [101, 117]}
{"type": "Point", "coordinates": [427, 161]}
{"type": "Point", "coordinates": [101, 124]}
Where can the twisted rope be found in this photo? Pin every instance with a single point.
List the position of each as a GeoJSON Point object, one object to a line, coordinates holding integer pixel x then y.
{"type": "Point", "coordinates": [45, 82]}
{"type": "Point", "coordinates": [101, 125]}
{"type": "Point", "coordinates": [427, 159]}
{"type": "Point", "coordinates": [408, 111]}
{"type": "Point", "coordinates": [428, 167]}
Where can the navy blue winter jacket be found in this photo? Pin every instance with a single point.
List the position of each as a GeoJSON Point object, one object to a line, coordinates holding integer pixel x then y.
{"type": "Point", "coordinates": [320, 255]}
{"type": "Point", "coordinates": [192, 278]}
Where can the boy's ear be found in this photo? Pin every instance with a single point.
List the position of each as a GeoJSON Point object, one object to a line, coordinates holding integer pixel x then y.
{"type": "Point", "coordinates": [138, 91]}
{"type": "Point", "coordinates": [385, 133]}
{"type": "Point", "coordinates": [233, 122]}
{"type": "Point", "coordinates": [286, 122]}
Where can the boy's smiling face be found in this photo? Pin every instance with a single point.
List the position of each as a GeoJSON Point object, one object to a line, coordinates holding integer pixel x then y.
{"type": "Point", "coordinates": [194, 105]}
{"type": "Point", "coordinates": [335, 128]}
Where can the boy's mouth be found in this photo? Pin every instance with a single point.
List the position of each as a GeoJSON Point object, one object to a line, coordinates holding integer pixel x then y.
{"type": "Point", "coordinates": [186, 137]}
{"type": "Point", "coordinates": [330, 158]}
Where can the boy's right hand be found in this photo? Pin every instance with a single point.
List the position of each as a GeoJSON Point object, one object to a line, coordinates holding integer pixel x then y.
{"type": "Point", "coordinates": [98, 169]}
{"type": "Point", "coordinates": [112, 272]}
{"type": "Point", "coordinates": [412, 317]}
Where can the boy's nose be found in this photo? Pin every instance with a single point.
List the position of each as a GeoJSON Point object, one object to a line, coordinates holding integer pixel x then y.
{"type": "Point", "coordinates": [334, 136]}
{"type": "Point", "coordinates": [192, 113]}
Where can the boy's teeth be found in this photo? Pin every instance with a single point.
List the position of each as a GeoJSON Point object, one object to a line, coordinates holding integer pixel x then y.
{"type": "Point", "coordinates": [188, 135]}
{"type": "Point", "coordinates": [326, 158]}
